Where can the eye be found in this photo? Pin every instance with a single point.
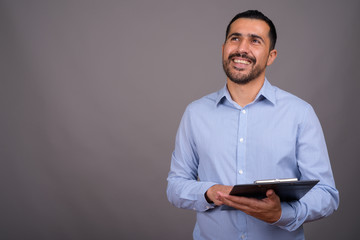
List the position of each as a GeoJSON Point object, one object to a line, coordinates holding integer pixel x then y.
{"type": "Point", "coordinates": [234, 39]}
{"type": "Point", "coordinates": [256, 41]}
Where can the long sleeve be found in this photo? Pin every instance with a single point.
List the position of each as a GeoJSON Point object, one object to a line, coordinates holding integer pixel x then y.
{"type": "Point", "coordinates": [184, 190]}
{"type": "Point", "coordinates": [313, 163]}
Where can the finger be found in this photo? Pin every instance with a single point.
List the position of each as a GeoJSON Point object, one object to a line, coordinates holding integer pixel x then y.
{"type": "Point", "coordinates": [271, 195]}
{"type": "Point", "coordinates": [240, 203]}
{"type": "Point", "coordinates": [249, 202]}
{"type": "Point", "coordinates": [218, 198]}
{"type": "Point", "coordinates": [222, 198]}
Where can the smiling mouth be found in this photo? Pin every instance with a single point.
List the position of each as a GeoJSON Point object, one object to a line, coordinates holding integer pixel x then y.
{"type": "Point", "coordinates": [242, 61]}
{"type": "Point", "coordinates": [241, 58]}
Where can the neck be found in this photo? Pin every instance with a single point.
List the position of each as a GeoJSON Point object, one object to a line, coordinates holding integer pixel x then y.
{"type": "Point", "coordinates": [243, 94]}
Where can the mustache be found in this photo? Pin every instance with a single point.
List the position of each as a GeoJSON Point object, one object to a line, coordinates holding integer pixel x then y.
{"type": "Point", "coordinates": [242, 55]}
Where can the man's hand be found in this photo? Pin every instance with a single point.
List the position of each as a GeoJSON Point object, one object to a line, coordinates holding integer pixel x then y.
{"type": "Point", "coordinates": [267, 209]}
{"type": "Point", "coordinates": [212, 193]}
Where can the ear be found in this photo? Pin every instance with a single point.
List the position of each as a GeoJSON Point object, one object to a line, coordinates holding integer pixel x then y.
{"type": "Point", "coordinates": [271, 58]}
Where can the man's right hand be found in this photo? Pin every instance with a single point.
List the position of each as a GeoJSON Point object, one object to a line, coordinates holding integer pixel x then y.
{"type": "Point", "coordinates": [212, 193]}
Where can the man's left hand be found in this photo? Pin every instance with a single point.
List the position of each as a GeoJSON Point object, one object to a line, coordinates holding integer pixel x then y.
{"type": "Point", "coordinates": [267, 209]}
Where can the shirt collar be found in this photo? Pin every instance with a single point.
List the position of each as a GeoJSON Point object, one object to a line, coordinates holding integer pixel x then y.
{"type": "Point", "coordinates": [267, 91]}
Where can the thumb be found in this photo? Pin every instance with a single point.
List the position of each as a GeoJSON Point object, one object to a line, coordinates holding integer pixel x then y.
{"type": "Point", "coordinates": [270, 193]}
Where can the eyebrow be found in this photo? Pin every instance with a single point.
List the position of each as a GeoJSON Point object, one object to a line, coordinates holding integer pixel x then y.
{"type": "Point", "coordinates": [236, 34]}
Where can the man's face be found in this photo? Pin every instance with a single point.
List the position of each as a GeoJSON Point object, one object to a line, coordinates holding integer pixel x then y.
{"type": "Point", "coordinates": [246, 52]}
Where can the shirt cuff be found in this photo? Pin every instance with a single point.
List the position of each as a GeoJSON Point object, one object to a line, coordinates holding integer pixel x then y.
{"type": "Point", "coordinates": [202, 203]}
{"type": "Point", "coordinates": [287, 215]}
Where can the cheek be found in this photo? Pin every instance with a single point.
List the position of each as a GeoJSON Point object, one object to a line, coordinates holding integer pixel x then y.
{"type": "Point", "coordinates": [261, 58]}
{"type": "Point", "coordinates": [226, 52]}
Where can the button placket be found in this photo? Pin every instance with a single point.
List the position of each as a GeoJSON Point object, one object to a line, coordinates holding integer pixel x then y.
{"type": "Point", "coordinates": [241, 149]}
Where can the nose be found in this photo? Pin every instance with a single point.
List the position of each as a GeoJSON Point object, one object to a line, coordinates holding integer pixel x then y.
{"type": "Point", "coordinates": [243, 46]}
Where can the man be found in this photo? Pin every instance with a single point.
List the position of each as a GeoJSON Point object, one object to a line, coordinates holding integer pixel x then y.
{"type": "Point", "coordinates": [247, 131]}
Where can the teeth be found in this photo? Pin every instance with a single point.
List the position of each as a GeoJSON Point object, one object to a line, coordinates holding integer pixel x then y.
{"type": "Point", "coordinates": [241, 61]}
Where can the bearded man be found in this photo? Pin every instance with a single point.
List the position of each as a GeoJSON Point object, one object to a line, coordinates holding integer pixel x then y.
{"type": "Point", "coordinates": [249, 130]}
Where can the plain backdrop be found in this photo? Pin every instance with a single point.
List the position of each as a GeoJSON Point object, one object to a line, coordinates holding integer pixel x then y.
{"type": "Point", "coordinates": [92, 92]}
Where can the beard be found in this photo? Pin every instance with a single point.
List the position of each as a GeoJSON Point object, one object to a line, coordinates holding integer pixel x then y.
{"type": "Point", "coordinates": [236, 75]}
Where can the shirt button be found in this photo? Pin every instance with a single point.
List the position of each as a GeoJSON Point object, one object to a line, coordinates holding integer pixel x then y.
{"type": "Point", "coordinates": [243, 111]}
{"type": "Point", "coordinates": [241, 171]}
{"type": "Point", "coordinates": [241, 139]}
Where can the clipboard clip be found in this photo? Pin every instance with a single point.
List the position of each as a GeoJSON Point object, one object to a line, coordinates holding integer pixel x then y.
{"type": "Point", "coordinates": [276, 180]}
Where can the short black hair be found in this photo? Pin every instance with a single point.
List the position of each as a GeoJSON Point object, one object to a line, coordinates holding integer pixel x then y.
{"type": "Point", "coordinates": [255, 14]}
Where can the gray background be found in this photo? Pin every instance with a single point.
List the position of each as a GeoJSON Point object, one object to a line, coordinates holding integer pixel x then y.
{"type": "Point", "coordinates": [92, 92]}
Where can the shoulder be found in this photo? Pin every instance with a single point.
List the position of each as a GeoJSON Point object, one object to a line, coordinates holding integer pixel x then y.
{"type": "Point", "coordinates": [286, 99]}
{"type": "Point", "coordinates": [293, 107]}
{"type": "Point", "coordinates": [205, 103]}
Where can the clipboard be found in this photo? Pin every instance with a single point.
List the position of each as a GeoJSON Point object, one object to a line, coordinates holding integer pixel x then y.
{"type": "Point", "coordinates": [287, 190]}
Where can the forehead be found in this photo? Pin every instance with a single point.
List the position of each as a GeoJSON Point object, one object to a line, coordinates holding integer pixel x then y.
{"type": "Point", "coordinates": [247, 26]}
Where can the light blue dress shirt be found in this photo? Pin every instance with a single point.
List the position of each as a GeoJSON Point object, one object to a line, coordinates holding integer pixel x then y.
{"type": "Point", "coordinates": [276, 136]}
